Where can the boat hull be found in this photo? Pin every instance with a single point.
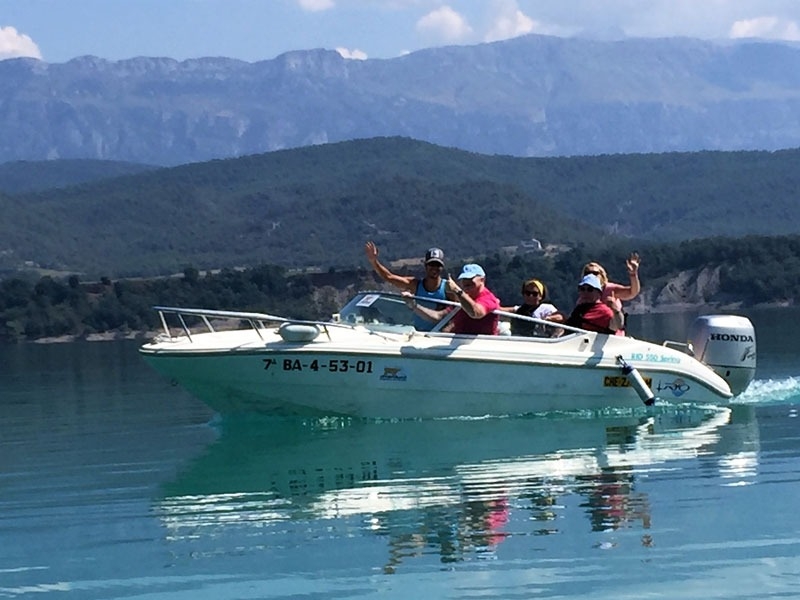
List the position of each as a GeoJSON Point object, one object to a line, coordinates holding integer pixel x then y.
{"type": "Point", "coordinates": [358, 373]}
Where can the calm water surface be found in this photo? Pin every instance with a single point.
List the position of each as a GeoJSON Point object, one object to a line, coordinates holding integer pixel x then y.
{"type": "Point", "coordinates": [114, 484]}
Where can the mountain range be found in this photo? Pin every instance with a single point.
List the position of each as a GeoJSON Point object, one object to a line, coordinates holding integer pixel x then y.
{"type": "Point", "coordinates": [532, 96]}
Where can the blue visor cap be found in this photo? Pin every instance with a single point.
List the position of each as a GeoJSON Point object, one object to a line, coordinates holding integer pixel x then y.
{"type": "Point", "coordinates": [592, 280]}
{"type": "Point", "coordinates": [471, 271]}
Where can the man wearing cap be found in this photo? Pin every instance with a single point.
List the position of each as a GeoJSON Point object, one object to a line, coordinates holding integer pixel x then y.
{"type": "Point", "coordinates": [591, 313]}
{"type": "Point", "coordinates": [431, 286]}
{"type": "Point", "coordinates": [477, 302]}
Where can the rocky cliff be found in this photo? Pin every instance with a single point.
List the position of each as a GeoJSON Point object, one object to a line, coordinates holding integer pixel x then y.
{"type": "Point", "coordinates": [686, 290]}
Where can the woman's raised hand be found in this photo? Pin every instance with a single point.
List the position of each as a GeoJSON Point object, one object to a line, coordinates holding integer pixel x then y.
{"type": "Point", "coordinates": [632, 263]}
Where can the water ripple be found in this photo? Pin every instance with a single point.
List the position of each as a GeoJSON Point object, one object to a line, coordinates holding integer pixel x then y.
{"type": "Point", "coordinates": [770, 391]}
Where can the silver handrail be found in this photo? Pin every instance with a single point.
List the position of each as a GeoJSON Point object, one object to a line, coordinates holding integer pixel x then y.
{"type": "Point", "coordinates": [255, 320]}
{"type": "Point", "coordinates": [447, 318]}
{"type": "Point", "coordinates": [259, 321]}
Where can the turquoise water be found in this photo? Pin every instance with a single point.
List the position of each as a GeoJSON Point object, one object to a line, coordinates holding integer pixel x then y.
{"type": "Point", "coordinates": [114, 484]}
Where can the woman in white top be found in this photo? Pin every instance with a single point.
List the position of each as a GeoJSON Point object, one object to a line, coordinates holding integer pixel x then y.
{"type": "Point", "coordinates": [534, 293]}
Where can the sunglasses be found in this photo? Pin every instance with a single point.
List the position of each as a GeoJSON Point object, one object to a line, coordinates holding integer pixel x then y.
{"type": "Point", "coordinates": [531, 292]}
{"type": "Point", "coordinates": [587, 288]}
{"type": "Point", "coordinates": [467, 283]}
{"type": "Point", "coordinates": [597, 273]}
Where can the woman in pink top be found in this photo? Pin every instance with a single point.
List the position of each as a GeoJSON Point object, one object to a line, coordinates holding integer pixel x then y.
{"type": "Point", "coordinates": [619, 291]}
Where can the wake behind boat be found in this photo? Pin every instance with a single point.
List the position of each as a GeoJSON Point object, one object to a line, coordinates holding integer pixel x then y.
{"type": "Point", "coordinates": [369, 361]}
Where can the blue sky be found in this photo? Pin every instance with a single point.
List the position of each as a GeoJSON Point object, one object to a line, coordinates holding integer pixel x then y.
{"type": "Point", "coordinates": [58, 30]}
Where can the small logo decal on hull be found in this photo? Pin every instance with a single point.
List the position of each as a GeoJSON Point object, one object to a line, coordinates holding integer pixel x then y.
{"type": "Point", "coordinates": [678, 387]}
{"type": "Point", "coordinates": [393, 374]}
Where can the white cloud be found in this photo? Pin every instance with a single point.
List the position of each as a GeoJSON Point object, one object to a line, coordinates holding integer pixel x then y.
{"type": "Point", "coordinates": [14, 44]}
{"type": "Point", "coordinates": [354, 54]}
{"type": "Point", "coordinates": [445, 23]}
{"type": "Point", "coordinates": [766, 27]}
{"type": "Point", "coordinates": [316, 5]}
{"type": "Point", "coordinates": [509, 22]}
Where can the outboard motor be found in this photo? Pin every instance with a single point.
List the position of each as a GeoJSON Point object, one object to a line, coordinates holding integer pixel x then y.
{"type": "Point", "coordinates": [727, 344]}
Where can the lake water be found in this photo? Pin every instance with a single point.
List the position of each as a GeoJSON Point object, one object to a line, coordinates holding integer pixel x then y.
{"type": "Point", "coordinates": [114, 484]}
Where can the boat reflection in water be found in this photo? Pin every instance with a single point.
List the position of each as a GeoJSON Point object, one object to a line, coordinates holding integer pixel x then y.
{"type": "Point", "coordinates": [448, 487]}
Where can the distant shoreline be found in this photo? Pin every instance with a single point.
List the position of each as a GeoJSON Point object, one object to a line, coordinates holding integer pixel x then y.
{"type": "Point", "coordinates": [107, 336]}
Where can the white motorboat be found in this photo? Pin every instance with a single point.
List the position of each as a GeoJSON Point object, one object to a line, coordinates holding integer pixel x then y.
{"type": "Point", "coordinates": [368, 361]}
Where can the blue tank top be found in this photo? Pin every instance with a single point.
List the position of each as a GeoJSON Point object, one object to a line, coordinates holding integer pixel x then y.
{"type": "Point", "coordinates": [421, 324]}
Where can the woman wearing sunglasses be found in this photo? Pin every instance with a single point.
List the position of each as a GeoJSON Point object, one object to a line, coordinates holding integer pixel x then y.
{"type": "Point", "coordinates": [617, 293]}
{"type": "Point", "coordinates": [591, 312]}
{"type": "Point", "coordinates": [534, 293]}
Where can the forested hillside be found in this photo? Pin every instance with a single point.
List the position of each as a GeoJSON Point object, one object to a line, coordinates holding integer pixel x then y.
{"type": "Point", "coordinates": [315, 206]}
{"type": "Point", "coordinates": [751, 271]}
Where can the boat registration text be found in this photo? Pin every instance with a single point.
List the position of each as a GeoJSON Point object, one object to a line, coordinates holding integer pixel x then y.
{"type": "Point", "coordinates": [622, 381]}
{"type": "Point", "coordinates": [334, 365]}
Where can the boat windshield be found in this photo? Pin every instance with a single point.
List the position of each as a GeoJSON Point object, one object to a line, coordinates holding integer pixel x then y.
{"type": "Point", "coordinates": [388, 311]}
{"type": "Point", "coordinates": [377, 310]}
